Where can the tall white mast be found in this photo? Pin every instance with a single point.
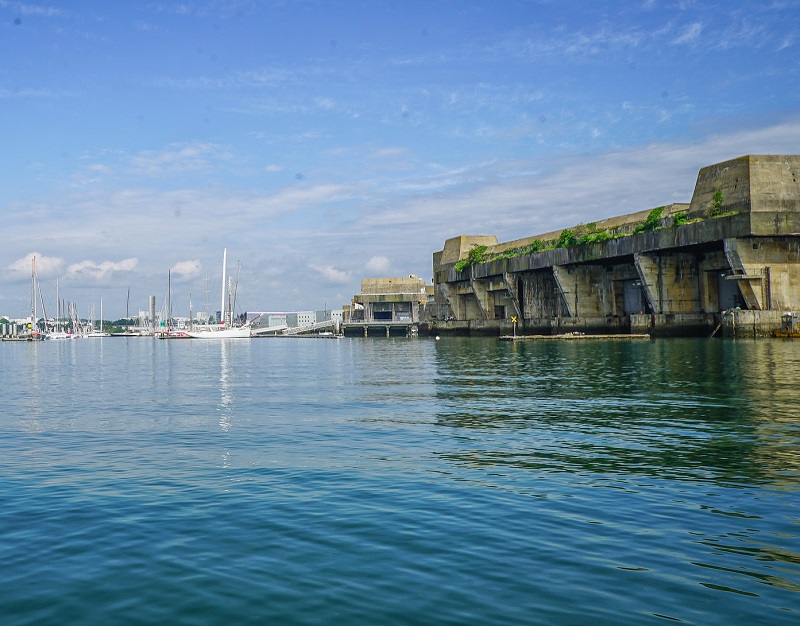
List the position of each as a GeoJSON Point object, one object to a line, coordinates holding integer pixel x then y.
{"type": "Point", "coordinates": [33, 295]}
{"type": "Point", "coordinates": [224, 286]}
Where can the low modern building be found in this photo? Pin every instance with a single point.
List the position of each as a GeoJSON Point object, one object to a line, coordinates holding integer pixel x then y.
{"type": "Point", "coordinates": [728, 259]}
{"type": "Point", "coordinates": [288, 321]}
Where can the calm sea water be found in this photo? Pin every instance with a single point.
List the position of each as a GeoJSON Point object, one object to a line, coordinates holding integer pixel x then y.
{"type": "Point", "coordinates": [377, 481]}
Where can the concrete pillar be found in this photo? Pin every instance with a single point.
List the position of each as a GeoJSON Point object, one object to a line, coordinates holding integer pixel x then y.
{"type": "Point", "coordinates": [650, 275]}
{"type": "Point", "coordinates": [511, 285]}
{"type": "Point", "coordinates": [542, 297]}
{"type": "Point", "coordinates": [482, 296]}
{"type": "Point", "coordinates": [671, 281]}
{"type": "Point", "coordinates": [566, 285]}
{"type": "Point", "coordinates": [453, 303]}
{"type": "Point", "coordinates": [752, 261]}
{"type": "Point", "coordinates": [587, 290]}
{"type": "Point", "coordinates": [748, 276]}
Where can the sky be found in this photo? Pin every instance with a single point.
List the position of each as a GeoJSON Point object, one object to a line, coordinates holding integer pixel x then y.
{"type": "Point", "coordinates": [322, 142]}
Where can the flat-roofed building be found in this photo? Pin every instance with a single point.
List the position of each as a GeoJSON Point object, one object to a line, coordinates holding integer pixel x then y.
{"type": "Point", "coordinates": [387, 306]}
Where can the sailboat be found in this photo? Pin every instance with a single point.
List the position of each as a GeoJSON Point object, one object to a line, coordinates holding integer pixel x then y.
{"type": "Point", "coordinates": [225, 329]}
{"type": "Point", "coordinates": [58, 332]}
{"type": "Point", "coordinates": [97, 333]}
{"type": "Point", "coordinates": [33, 333]}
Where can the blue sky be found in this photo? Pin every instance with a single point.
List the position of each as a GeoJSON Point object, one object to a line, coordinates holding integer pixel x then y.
{"type": "Point", "coordinates": [324, 142]}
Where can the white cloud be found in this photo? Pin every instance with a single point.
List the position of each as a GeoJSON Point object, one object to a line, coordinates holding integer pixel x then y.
{"type": "Point", "coordinates": [690, 34]}
{"type": "Point", "coordinates": [377, 265]}
{"type": "Point", "coordinates": [32, 9]}
{"type": "Point", "coordinates": [99, 272]}
{"type": "Point", "coordinates": [187, 270]}
{"type": "Point", "coordinates": [565, 192]}
{"type": "Point", "coordinates": [331, 274]}
{"type": "Point", "coordinates": [45, 266]}
{"type": "Point", "coordinates": [404, 217]}
{"type": "Point", "coordinates": [388, 152]}
{"type": "Point", "coordinates": [190, 157]}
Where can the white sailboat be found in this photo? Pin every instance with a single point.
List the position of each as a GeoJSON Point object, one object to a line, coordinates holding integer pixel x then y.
{"type": "Point", "coordinates": [97, 333]}
{"type": "Point", "coordinates": [58, 333]}
{"type": "Point", "coordinates": [34, 334]}
{"type": "Point", "coordinates": [225, 329]}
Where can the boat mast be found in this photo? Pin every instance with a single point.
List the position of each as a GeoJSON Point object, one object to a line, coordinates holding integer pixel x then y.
{"type": "Point", "coordinates": [235, 290]}
{"type": "Point", "coordinates": [205, 295]}
{"type": "Point", "coordinates": [224, 286]}
{"type": "Point", "coordinates": [44, 311]}
{"type": "Point", "coordinates": [33, 295]}
{"type": "Point", "coordinates": [168, 323]}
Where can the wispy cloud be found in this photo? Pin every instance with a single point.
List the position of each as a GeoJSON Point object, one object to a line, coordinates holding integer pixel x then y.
{"type": "Point", "coordinates": [187, 270]}
{"type": "Point", "coordinates": [331, 273]}
{"type": "Point", "coordinates": [28, 93]}
{"type": "Point", "coordinates": [377, 265]}
{"type": "Point", "coordinates": [689, 34]}
{"type": "Point", "coordinates": [599, 186]}
{"type": "Point", "coordinates": [404, 220]}
{"type": "Point", "coordinates": [179, 158]}
{"type": "Point", "coordinates": [99, 272]}
{"type": "Point", "coordinates": [44, 266]}
{"type": "Point", "coordinates": [175, 8]}
{"type": "Point", "coordinates": [39, 11]}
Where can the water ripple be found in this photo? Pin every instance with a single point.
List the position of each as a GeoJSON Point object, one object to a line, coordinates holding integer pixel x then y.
{"type": "Point", "coordinates": [362, 482]}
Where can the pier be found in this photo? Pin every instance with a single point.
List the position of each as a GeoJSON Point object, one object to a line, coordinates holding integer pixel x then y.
{"type": "Point", "coordinates": [380, 329]}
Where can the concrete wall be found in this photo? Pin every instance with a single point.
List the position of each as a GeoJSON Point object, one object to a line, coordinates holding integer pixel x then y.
{"type": "Point", "coordinates": [406, 284]}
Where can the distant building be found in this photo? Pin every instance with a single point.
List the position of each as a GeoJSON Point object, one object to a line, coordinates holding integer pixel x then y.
{"type": "Point", "coordinates": [328, 315]}
{"type": "Point", "coordinates": [296, 319]}
{"type": "Point", "coordinates": [292, 319]}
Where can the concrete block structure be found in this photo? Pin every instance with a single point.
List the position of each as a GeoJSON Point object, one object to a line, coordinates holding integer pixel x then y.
{"type": "Point", "coordinates": [729, 259]}
{"type": "Point", "coordinates": [387, 306]}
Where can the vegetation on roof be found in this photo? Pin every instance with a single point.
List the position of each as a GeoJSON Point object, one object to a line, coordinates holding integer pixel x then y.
{"type": "Point", "coordinates": [584, 234]}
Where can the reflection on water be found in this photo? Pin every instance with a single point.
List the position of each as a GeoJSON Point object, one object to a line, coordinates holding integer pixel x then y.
{"type": "Point", "coordinates": [706, 410]}
{"type": "Point", "coordinates": [686, 430]}
{"type": "Point", "coordinates": [226, 399]}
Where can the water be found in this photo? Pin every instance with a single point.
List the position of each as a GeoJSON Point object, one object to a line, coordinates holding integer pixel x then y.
{"type": "Point", "coordinates": [464, 481]}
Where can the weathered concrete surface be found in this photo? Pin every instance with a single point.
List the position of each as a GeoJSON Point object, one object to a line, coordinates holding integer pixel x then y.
{"type": "Point", "coordinates": [750, 184]}
{"type": "Point", "coordinates": [386, 306]}
{"type": "Point", "coordinates": [742, 250]}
